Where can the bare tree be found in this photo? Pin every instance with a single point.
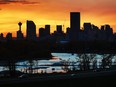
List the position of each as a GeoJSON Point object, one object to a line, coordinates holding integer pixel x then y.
{"type": "Point", "coordinates": [66, 64]}
{"type": "Point", "coordinates": [107, 60]}
{"type": "Point", "coordinates": [94, 65]}
{"type": "Point", "coordinates": [85, 60]}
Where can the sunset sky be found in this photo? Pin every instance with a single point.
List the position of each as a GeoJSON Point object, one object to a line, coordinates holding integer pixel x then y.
{"type": "Point", "coordinates": [54, 12]}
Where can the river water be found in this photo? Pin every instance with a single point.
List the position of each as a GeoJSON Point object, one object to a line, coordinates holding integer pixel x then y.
{"type": "Point", "coordinates": [55, 64]}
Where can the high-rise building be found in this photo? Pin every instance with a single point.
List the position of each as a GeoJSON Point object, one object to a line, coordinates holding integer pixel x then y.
{"type": "Point", "coordinates": [31, 30]}
{"type": "Point", "coordinates": [59, 28]}
{"type": "Point", "coordinates": [68, 33]}
{"type": "Point", "coordinates": [102, 28]}
{"type": "Point", "coordinates": [67, 30]}
{"type": "Point", "coordinates": [41, 32]}
{"type": "Point", "coordinates": [75, 21]}
{"type": "Point", "coordinates": [9, 36]}
{"type": "Point", "coordinates": [74, 25]}
{"type": "Point", "coordinates": [108, 29]}
{"type": "Point", "coordinates": [47, 30]}
{"type": "Point", "coordinates": [87, 27]}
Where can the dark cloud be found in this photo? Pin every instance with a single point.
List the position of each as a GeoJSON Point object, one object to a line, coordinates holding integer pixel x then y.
{"type": "Point", "coordinates": [17, 1]}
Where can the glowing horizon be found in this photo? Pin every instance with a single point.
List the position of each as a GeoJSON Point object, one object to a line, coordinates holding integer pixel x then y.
{"type": "Point", "coordinates": [54, 12]}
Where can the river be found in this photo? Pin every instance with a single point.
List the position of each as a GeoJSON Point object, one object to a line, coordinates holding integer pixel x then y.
{"type": "Point", "coordinates": [55, 63]}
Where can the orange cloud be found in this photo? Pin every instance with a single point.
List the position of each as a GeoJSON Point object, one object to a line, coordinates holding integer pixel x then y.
{"type": "Point", "coordinates": [16, 1]}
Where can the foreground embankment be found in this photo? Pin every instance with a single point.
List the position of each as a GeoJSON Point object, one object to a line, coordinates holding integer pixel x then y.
{"type": "Point", "coordinates": [103, 78]}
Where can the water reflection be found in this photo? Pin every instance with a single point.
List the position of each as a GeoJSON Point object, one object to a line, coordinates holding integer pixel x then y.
{"type": "Point", "coordinates": [62, 62]}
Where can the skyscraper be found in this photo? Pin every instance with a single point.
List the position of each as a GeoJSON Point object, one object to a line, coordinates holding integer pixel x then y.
{"type": "Point", "coordinates": [9, 36]}
{"type": "Point", "coordinates": [47, 30]}
{"type": "Point", "coordinates": [108, 29]}
{"type": "Point", "coordinates": [42, 32]}
{"type": "Point", "coordinates": [87, 27]}
{"type": "Point", "coordinates": [31, 30]}
{"type": "Point", "coordinates": [74, 25]}
{"type": "Point", "coordinates": [59, 28]}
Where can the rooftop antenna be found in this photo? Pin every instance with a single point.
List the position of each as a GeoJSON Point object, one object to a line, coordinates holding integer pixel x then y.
{"type": "Point", "coordinates": [64, 24]}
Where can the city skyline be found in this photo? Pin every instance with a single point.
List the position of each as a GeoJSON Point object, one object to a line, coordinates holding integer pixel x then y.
{"type": "Point", "coordinates": [54, 13]}
{"type": "Point", "coordinates": [89, 31]}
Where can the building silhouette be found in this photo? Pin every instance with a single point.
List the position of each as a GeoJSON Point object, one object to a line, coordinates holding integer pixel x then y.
{"type": "Point", "coordinates": [68, 33]}
{"type": "Point", "coordinates": [59, 34]}
{"type": "Point", "coordinates": [74, 25]}
{"type": "Point", "coordinates": [19, 32]}
{"type": "Point", "coordinates": [89, 31]}
{"type": "Point", "coordinates": [31, 30]}
{"type": "Point", "coordinates": [1, 36]}
{"type": "Point", "coordinates": [9, 36]}
{"type": "Point", "coordinates": [108, 29]}
{"type": "Point", "coordinates": [47, 30]}
{"type": "Point", "coordinates": [42, 32]}
{"type": "Point", "coordinates": [87, 27]}
{"type": "Point", "coordinates": [59, 29]}
{"type": "Point", "coordinates": [108, 32]}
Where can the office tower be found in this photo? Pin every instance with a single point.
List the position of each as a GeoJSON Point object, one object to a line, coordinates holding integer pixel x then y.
{"type": "Point", "coordinates": [42, 32]}
{"type": "Point", "coordinates": [59, 28]}
{"type": "Point", "coordinates": [67, 30]}
{"type": "Point", "coordinates": [31, 30]}
{"type": "Point", "coordinates": [102, 28]}
{"type": "Point", "coordinates": [47, 30]}
{"type": "Point", "coordinates": [19, 32]}
{"type": "Point", "coordinates": [67, 33]}
{"type": "Point", "coordinates": [87, 27]}
{"type": "Point", "coordinates": [9, 36]}
{"type": "Point", "coordinates": [108, 29]}
{"type": "Point", "coordinates": [74, 25]}
{"type": "Point", "coordinates": [75, 21]}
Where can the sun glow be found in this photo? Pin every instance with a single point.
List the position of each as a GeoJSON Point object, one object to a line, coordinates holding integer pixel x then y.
{"type": "Point", "coordinates": [55, 13]}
